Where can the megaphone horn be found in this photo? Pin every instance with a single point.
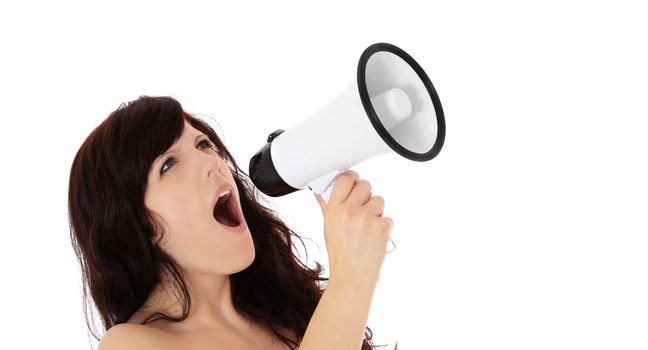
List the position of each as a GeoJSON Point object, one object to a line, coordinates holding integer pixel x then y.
{"type": "Point", "coordinates": [391, 105]}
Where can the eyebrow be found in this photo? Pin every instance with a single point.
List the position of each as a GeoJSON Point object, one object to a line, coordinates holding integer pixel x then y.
{"type": "Point", "coordinates": [174, 151]}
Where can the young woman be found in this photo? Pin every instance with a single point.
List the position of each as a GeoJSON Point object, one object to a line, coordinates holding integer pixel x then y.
{"type": "Point", "coordinates": [177, 251]}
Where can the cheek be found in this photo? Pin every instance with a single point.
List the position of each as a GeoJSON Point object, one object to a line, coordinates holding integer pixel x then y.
{"type": "Point", "coordinates": [180, 224]}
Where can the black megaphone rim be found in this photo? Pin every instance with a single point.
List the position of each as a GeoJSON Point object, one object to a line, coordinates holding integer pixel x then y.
{"type": "Point", "coordinates": [373, 117]}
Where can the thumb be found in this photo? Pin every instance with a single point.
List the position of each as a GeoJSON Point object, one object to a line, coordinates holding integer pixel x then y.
{"type": "Point", "coordinates": [320, 201]}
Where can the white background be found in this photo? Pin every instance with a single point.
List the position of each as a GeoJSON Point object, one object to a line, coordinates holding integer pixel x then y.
{"type": "Point", "coordinates": [528, 231]}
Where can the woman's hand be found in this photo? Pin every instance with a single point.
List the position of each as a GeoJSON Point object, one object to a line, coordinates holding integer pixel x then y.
{"type": "Point", "coordinates": [355, 231]}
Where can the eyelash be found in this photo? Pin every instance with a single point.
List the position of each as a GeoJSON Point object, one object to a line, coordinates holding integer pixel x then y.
{"type": "Point", "coordinates": [211, 144]}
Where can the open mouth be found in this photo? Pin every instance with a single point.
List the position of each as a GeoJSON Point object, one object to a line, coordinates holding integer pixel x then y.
{"type": "Point", "coordinates": [226, 211]}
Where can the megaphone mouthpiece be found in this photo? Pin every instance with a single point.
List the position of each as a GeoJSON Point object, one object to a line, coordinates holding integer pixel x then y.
{"type": "Point", "coordinates": [394, 105]}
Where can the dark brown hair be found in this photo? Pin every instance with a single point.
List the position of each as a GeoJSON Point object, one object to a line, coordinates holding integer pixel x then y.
{"type": "Point", "coordinates": [112, 232]}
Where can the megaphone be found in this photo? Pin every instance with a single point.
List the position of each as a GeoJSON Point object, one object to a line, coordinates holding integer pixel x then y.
{"type": "Point", "coordinates": [391, 105]}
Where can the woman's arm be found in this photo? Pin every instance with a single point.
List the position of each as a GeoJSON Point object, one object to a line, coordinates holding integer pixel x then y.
{"type": "Point", "coordinates": [356, 237]}
{"type": "Point", "coordinates": [340, 318]}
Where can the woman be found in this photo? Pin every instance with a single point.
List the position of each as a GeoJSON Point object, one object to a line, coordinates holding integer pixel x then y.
{"type": "Point", "coordinates": [177, 251]}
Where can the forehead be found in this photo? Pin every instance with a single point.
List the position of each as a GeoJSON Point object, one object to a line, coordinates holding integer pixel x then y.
{"type": "Point", "coordinates": [189, 131]}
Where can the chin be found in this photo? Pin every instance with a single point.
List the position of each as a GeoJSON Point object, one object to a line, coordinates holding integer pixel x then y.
{"type": "Point", "coordinates": [251, 259]}
{"type": "Point", "coordinates": [246, 261]}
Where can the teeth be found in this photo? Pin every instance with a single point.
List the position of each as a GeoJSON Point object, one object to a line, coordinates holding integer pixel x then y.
{"type": "Point", "coordinates": [222, 198]}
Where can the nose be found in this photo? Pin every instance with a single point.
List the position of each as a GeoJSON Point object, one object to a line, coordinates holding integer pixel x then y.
{"type": "Point", "coordinates": [212, 168]}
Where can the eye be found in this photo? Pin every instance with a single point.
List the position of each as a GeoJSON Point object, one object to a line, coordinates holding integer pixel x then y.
{"type": "Point", "coordinates": [169, 160]}
{"type": "Point", "coordinates": [209, 143]}
{"type": "Point", "coordinates": [172, 160]}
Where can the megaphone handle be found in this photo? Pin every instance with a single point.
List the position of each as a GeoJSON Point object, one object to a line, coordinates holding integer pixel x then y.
{"type": "Point", "coordinates": [392, 243]}
{"type": "Point", "coordinates": [327, 193]}
{"type": "Point", "coordinates": [323, 185]}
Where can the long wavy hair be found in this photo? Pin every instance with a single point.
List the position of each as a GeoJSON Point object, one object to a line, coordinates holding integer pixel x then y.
{"type": "Point", "coordinates": [112, 232]}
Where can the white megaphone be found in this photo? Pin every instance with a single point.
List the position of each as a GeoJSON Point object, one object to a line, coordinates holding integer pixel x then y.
{"type": "Point", "coordinates": [390, 105]}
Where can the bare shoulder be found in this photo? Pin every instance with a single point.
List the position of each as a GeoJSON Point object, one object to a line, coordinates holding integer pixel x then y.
{"type": "Point", "coordinates": [133, 336]}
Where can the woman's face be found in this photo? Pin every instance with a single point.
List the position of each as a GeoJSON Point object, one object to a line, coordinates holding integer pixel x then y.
{"type": "Point", "coordinates": [183, 195]}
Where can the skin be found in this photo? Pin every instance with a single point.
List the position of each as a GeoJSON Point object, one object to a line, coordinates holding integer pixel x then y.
{"type": "Point", "coordinates": [182, 196]}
